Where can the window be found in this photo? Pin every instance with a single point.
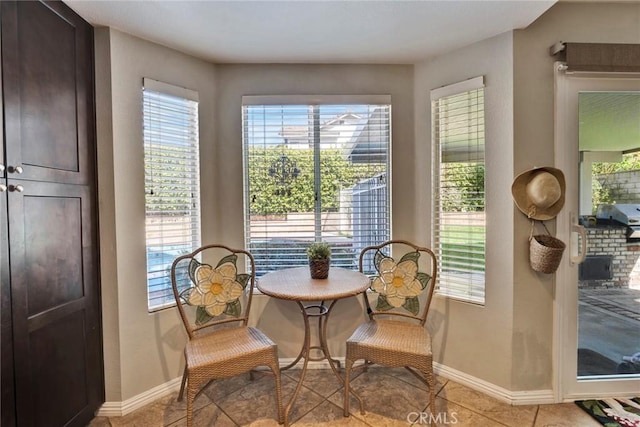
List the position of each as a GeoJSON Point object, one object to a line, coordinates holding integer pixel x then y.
{"type": "Point", "coordinates": [459, 189]}
{"type": "Point", "coordinates": [315, 171]}
{"type": "Point", "coordinates": [172, 183]}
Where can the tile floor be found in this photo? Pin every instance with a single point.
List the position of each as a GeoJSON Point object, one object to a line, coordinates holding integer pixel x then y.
{"type": "Point", "coordinates": [393, 397]}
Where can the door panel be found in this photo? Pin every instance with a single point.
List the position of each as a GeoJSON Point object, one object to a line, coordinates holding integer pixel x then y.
{"type": "Point", "coordinates": [609, 295]}
{"type": "Point", "coordinates": [46, 46]}
{"type": "Point", "coordinates": [47, 88]}
{"type": "Point", "coordinates": [58, 339]}
{"type": "Point", "coordinates": [56, 329]}
{"type": "Point", "coordinates": [7, 398]}
{"type": "Point", "coordinates": [569, 384]}
{"type": "Point", "coordinates": [53, 251]}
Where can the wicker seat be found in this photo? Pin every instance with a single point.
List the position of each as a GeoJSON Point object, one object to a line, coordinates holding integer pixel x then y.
{"type": "Point", "coordinates": [395, 335]}
{"type": "Point", "coordinates": [214, 299]}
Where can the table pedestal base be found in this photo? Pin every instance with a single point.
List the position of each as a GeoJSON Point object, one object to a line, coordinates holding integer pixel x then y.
{"type": "Point", "coordinates": [322, 314]}
{"type": "Point", "coordinates": [296, 284]}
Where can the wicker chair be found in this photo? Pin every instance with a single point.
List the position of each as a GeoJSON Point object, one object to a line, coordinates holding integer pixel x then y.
{"type": "Point", "coordinates": [395, 335]}
{"type": "Point", "coordinates": [214, 300]}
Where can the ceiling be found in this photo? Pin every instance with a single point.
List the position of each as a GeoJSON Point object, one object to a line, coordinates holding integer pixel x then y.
{"type": "Point", "coordinates": [320, 31]}
{"type": "Point", "coordinates": [609, 121]}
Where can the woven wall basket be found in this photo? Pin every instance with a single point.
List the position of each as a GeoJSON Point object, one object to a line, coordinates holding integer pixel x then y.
{"type": "Point", "coordinates": [319, 268]}
{"type": "Point", "coordinates": [545, 253]}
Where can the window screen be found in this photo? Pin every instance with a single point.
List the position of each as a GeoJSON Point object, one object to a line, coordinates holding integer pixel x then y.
{"type": "Point", "coordinates": [315, 172]}
{"type": "Point", "coordinates": [459, 189]}
{"type": "Point", "coordinates": [172, 183]}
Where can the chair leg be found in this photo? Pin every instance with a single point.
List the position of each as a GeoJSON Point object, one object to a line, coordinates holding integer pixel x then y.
{"type": "Point", "coordinates": [347, 374]}
{"type": "Point", "coordinates": [191, 395]}
{"type": "Point", "coordinates": [348, 365]}
{"type": "Point", "coordinates": [276, 374]}
{"type": "Point", "coordinates": [431, 382]}
{"type": "Point", "coordinates": [184, 381]}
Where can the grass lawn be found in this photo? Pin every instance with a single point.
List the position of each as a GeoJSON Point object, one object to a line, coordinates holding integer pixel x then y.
{"type": "Point", "coordinates": [463, 247]}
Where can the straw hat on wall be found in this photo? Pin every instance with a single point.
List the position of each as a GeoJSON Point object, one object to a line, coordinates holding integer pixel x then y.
{"type": "Point", "coordinates": [539, 192]}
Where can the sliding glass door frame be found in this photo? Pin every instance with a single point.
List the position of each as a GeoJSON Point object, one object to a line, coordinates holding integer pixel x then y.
{"type": "Point", "coordinates": [567, 386]}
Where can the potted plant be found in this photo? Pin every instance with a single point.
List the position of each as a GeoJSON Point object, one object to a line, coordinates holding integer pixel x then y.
{"type": "Point", "coordinates": [319, 254]}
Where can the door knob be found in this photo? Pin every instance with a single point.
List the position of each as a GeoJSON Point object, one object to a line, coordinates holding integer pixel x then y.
{"type": "Point", "coordinates": [3, 188]}
{"type": "Point", "coordinates": [15, 169]}
{"type": "Point", "coordinates": [17, 188]}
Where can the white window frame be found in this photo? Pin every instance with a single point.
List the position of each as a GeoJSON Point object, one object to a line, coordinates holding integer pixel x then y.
{"type": "Point", "coordinates": [312, 100]}
{"type": "Point", "coordinates": [460, 274]}
{"type": "Point", "coordinates": [171, 138]}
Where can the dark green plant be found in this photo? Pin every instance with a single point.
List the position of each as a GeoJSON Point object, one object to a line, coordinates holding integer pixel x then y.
{"type": "Point", "coordinates": [319, 250]}
{"type": "Point", "coordinates": [463, 187]}
{"type": "Point", "coordinates": [270, 194]}
{"type": "Point", "coordinates": [605, 190]}
{"type": "Point", "coordinates": [165, 175]}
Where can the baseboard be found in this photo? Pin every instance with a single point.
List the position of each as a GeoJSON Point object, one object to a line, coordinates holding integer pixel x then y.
{"type": "Point", "coordinates": [532, 397]}
{"type": "Point", "coordinates": [119, 409]}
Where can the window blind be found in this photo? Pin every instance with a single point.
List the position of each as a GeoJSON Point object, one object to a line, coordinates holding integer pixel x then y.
{"type": "Point", "coordinates": [315, 172]}
{"type": "Point", "coordinates": [459, 190]}
{"type": "Point", "coordinates": [172, 183]}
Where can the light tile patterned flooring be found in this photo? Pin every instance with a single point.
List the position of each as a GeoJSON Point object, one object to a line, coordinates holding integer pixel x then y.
{"type": "Point", "coordinates": [392, 397]}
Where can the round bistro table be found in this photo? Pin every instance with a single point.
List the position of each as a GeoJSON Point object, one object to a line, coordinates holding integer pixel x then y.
{"type": "Point", "coordinates": [296, 284]}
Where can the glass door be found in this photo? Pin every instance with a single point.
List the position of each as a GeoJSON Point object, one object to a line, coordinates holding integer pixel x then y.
{"type": "Point", "coordinates": [598, 284]}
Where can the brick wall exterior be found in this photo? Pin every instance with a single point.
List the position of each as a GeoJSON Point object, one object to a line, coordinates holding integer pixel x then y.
{"type": "Point", "coordinates": [624, 187]}
{"type": "Point", "coordinates": [612, 240]}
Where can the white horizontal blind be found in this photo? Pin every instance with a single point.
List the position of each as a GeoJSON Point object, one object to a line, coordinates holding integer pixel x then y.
{"type": "Point", "coordinates": [172, 183]}
{"type": "Point", "coordinates": [315, 172]}
{"type": "Point", "coordinates": [459, 191]}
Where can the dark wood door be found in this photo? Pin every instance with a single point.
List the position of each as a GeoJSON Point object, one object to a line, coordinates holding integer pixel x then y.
{"type": "Point", "coordinates": [51, 337]}
{"type": "Point", "coordinates": [47, 69]}
{"type": "Point", "coordinates": [56, 326]}
{"type": "Point", "coordinates": [7, 397]}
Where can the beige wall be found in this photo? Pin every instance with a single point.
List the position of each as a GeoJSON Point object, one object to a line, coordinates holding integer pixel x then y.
{"type": "Point", "coordinates": [142, 350]}
{"type": "Point", "coordinates": [474, 339]}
